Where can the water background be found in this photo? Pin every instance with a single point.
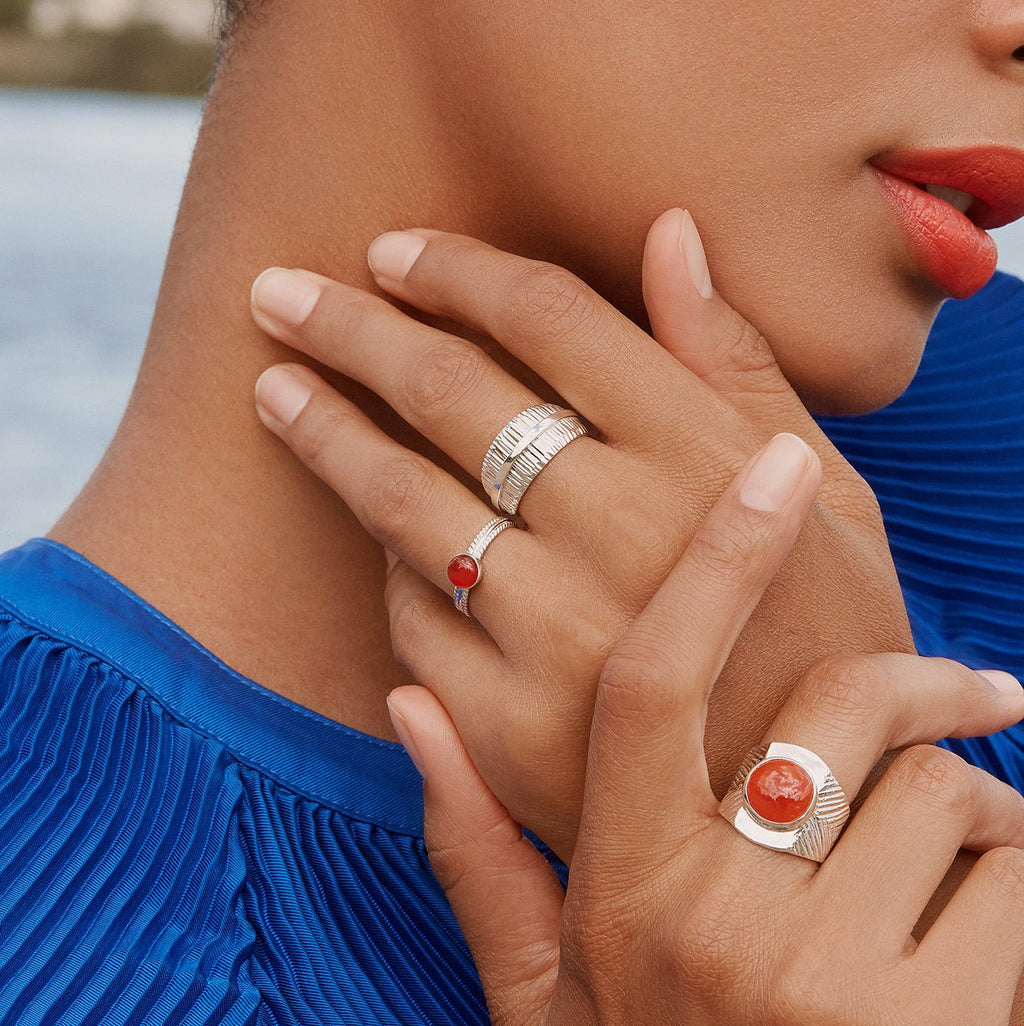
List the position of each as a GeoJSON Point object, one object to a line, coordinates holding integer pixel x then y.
{"type": "Point", "coordinates": [89, 185]}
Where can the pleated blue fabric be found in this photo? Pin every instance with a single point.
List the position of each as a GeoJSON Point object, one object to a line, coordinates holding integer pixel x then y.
{"type": "Point", "coordinates": [946, 461]}
{"type": "Point", "coordinates": [180, 845]}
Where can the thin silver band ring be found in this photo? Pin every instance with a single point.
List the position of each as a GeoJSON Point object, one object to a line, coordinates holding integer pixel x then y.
{"type": "Point", "coordinates": [469, 561]}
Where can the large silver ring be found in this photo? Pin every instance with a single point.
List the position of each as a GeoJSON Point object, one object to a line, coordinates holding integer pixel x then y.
{"type": "Point", "coordinates": [464, 569]}
{"type": "Point", "coordinates": [784, 797]}
{"type": "Point", "coordinates": [521, 450]}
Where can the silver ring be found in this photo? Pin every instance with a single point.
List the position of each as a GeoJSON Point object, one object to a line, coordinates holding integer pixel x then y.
{"type": "Point", "coordinates": [537, 455]}
{"type": "Point", "coordinates": [521, 450]}
{"type": "Point", "coordinates": [465, 566]}
{"type": "Point", "coordinates": [785, 797]}
{"type": "Point", "coordinates": [507, 440]}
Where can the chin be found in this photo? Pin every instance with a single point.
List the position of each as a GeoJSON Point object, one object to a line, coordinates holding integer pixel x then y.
{"type": "Point", "coordinates": [860, 373]}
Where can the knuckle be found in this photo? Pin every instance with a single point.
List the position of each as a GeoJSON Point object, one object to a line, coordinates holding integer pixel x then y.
{"type": "Point", "coordinates": [853, 688]}
{"type": "Point", "coordinates": [749, 351]}
{"type": "Point", "coordinates": [409, 622]}
{"type": "Point", "coordinates": [964, 685]}
{"type": "Point", "coordinates": [550, 297]}
{"type": "Point", "coordinates": [746, 359]}
{"type": "Point", "coordinates": [715, 945]}
{"type": "Point", "coordinates": [318, 431]}
{"type": "Point", "coordinates": [397, 498]}
{"type": "Point", "coordinates": [1004, 872]}
{"type": "Point", "coordinates": [338, 314]}
{"type": "Point", "coordinates": [579, 629]}
{"type": "Point", "coordinates": [635, 678]}
{"type": "Point", "coordinates": [936, 777]}
{"type": "Point", "coordinates": [726, 557]}
{"type": "Point", "coordinates": [442, 377]}
{"type": "Point", "coordinates": [855, 499]}
{"type": "Point", "coordinates": [803, 982]}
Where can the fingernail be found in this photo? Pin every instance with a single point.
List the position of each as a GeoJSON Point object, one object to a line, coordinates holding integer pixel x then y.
{"type": "Point", "coordinates": [392, 254]}
{"type": "Point", "coordinates": [1002, 681]}
{"type": "Point", "coordinates": [390, 558]}
{"type": "Point", "coordinates": [285, 296]}
{"type": "Point", "coordinates": [282, 394]}
{"type": "Point", "coordinates": [692, 250]}
{"type": "Point", "coordinates": [401, 725]}
{"type": "Point", "coordinates": [775, 474]}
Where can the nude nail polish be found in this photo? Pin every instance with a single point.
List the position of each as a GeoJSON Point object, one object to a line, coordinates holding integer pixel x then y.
{"type": "Point", "coordinates": [692, 250]}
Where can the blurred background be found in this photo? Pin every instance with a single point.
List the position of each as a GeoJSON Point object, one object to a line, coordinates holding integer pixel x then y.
{"type": "Point", "coordinates": [100, 101]}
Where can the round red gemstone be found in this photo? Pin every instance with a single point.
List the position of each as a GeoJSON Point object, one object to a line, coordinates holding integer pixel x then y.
{"type": "Point", "coordinates": [463, 571]}
{"type": "Point", "coordinates": [779, 791]}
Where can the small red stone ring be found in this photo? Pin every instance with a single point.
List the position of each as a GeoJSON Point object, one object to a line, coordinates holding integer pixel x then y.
{"type": "Point", "coordinates": [784, 797]}
{"type": "Point", "coordinates": [464, 570]}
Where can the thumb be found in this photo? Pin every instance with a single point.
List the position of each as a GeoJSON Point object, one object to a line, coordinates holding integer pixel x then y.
{"type": "Point", "coordinates": [503, 892]}
{"type": "Point", "coordinates": [697, 326]}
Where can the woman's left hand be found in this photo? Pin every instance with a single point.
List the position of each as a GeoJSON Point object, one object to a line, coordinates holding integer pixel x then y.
{"type": "Point", "coordinates": [607, 518]}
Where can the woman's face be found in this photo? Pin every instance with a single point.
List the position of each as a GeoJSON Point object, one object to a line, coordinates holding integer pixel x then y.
{"type": "Point", "coordinates": [763, 118]}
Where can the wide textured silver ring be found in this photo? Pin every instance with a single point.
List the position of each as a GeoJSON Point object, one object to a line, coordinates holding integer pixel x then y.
{"type": "Point", "coordinates": [523, 447]}
{"type": "Point", "coordinates": [784, 797]}
{"type": "Point", "coordinates": [464, 569]}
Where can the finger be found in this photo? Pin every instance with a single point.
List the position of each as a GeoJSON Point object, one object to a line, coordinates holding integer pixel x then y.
{"type": "Point", "coordinates": [701, 330]}
{"type": "Point", "coordinates": [646, 774]}
{"type": "Point", "coordinates": [440, 647]}
{"type": "Point", "coordinates": [506, 897]}
{"type": "Point", "coordinates": [850, 710]}
{"type": "Point", "coordinates": [404, 501]}
{"type": "Point", "coordinates": [586, 349]}
{"type": "Point", "coordinates": [903, 839]}
{"type": "Point", "coordinates": [714, 341]}
{"type": "Point", "coordinates": [981, 931]}
{"type": "Point", "coordinates": [444, 386]}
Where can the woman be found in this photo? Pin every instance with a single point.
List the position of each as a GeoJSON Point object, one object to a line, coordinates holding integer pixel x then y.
{"type": "Point", "coordinates": [286, 879]}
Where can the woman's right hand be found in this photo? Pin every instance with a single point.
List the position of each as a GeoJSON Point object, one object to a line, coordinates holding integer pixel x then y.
{"type": "Point", "coordinates": [671, 915]}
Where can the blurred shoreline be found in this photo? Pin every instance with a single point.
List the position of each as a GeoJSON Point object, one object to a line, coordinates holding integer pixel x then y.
{"type": "Point", "coordinates": [140, 57]}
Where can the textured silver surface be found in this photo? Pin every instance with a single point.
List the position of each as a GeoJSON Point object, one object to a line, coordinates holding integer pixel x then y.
{"type": "Point", "coordinates": [814, 836]}
{"type": "Point", "coordinates": [521, 426]}
{"type": "Point", "coordinates": [487, 534]}
{"type": "Point", "coordinates": [534, 458]}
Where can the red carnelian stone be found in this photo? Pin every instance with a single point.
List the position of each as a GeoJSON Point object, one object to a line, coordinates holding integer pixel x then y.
{"type": "Point", "coordinates": [780, 791]}
{"type": "Point", "coordinates": [463, 571]}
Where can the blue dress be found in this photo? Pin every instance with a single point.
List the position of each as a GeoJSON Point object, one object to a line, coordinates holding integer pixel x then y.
{"type": "Point", "coordinates": [181, 845]}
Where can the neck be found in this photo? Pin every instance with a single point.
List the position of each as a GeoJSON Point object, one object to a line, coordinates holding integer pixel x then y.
{"type": "Point", "coordinates": [300, 162]}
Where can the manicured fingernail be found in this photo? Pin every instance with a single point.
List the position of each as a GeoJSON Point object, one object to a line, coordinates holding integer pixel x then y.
{"type": "Point", "coordinates": [392, 254]}
{"type": "Point", "coordinates": [401, 725]}
{"type": "Point", "coordinates": [282, 394]}
{"type": "Point", "coordinates": [692, 250]}
{"type": "Point", "coordinates": [775, 474]}
{"type": "Point", "coordinates": [1002, 681]}
{"type": "Point", "coordinates": [285, 296]}
{"type": "Point", "coordinates": [390, 558]}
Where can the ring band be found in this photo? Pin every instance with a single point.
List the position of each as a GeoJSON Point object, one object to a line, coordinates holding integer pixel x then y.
{"type": "Point", "coordinates": [507, 439]}
{"type": "Point", "coordinates": [464, 569]}
{"type": "Point", "coordinates": [521, 450]}
{"type": "Point", "coordinates": [785, 797]}
{"type": "Point", "coordinates": [541, 451]}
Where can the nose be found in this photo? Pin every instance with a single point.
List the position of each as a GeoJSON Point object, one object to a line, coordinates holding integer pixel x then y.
{"type": "Point", "coordinates": [999, 35]}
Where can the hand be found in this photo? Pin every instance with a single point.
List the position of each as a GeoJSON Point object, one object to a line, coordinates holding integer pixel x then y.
{"type": "Point", "coordinates": [671, 915]}
{"type": "Point", "coordinates": [607, 518]}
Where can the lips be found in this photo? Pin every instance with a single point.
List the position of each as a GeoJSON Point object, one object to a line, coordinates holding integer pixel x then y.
{"type": "Point", "coordinates": [953, 248]}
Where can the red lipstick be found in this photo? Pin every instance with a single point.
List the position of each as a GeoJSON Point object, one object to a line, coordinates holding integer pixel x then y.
{"type": "Point", "coordinates": [953, 248]}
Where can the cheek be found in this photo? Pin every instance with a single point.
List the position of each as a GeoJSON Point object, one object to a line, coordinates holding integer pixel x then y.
{"type": "Point", "coordinates": [758, 118]}
{"type": "Point", "coordinates": [844, 316]}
